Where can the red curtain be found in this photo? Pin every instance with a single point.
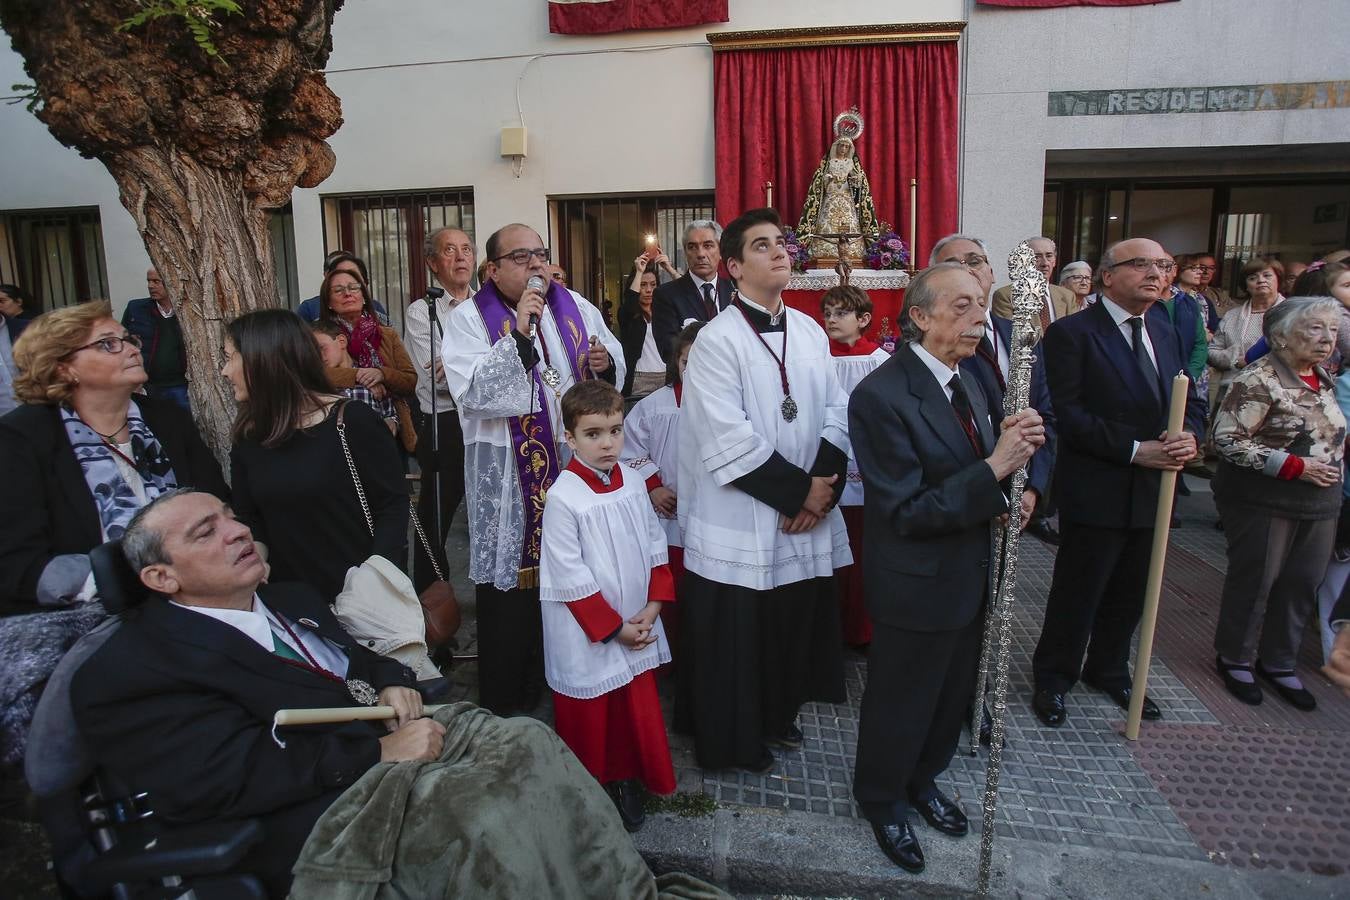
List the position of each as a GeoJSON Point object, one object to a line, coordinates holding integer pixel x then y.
{"type": "Point", "coordinates": [774, 122]}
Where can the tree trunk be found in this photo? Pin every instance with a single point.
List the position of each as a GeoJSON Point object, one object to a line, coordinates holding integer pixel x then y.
{"type": "Point", "coordinates": [212, 247]}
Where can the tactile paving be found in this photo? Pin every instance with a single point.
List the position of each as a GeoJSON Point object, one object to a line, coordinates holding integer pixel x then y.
{"type": "Point", "coordinates": [1255, 797]}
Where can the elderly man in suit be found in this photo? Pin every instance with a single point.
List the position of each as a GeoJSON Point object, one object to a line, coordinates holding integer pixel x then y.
{"type": "Point", "coordinates": [178, 701]}
{"type": "Point", "coordinates": [991, 364]}
{"type": "Point", "coordinates": [1063, 302]}
{"type": "Point", "coordinates": [931, 465]}
{"type": "Point", "coordinates": [1110, 371]}
{"type": "Point", "coordinates": [696, 296]}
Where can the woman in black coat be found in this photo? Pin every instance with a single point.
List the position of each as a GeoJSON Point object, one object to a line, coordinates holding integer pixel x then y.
{"type": "Point", "coordinates": [80, 457]}
{"type": "Point", "coordinates": [643, 363]}
{"type": "Point", "coordinates": [83, 454]}
{"type": "Point", "coordinates": [291, 479]}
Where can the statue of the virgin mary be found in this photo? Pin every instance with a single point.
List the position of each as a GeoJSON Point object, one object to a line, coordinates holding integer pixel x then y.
{"type": "Point", "coordinates": [839, 200]}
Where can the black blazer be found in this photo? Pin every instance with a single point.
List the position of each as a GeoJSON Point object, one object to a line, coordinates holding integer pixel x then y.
{"type": "Point", "coordinates": [180, 705]}
{"type": "Point", "coordinates": [46, 508]}
{"type": "Point", "coordinates": [1043, 463]}
{"type": "Point", "coordinates": [1102, 406]}
{"type": "Point", "coordinates": [928, 498]}
{"type": "Point", "coordinates": [677, 301]}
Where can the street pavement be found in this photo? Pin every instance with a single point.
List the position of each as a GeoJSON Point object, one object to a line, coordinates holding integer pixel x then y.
{"type": "Point", "coordinates": [1216, 800]}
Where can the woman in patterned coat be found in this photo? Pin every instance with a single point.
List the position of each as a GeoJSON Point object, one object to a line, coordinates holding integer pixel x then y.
{"type": "Point", "coordinates": [1280, 437]}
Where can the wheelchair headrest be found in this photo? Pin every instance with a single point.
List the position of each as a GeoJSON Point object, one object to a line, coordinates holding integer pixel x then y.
{"type": "Point", "coordinates": [119, 588]}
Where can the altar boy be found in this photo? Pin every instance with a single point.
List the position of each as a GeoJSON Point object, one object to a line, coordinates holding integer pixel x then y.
{"type": "Point", "coordinates": [847, 311]}
{"type": "Point", "coordinates": [763, 455]}
{"type": "Point", "coordinates": [603, 580]}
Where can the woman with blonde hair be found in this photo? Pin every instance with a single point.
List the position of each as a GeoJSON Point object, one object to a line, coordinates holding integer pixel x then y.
{"type": "Point", "coordinates": [81, 455]}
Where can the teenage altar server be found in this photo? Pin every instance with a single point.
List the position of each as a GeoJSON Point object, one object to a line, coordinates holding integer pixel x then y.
{"type": "Point", "coordinates": [763, 455]}
{"type": "Point", "coordinates": [603, 581]}
{"type": "Point", "coordinates": [847, 311]}
{"type": "Point", "coordinates": [508, 377]}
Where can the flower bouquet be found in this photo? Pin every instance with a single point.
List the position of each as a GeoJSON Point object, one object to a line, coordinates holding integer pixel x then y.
{"type": "Point", "coordinates": [888, 251]}
{"type": "Point", "coordinates": [797, 251]}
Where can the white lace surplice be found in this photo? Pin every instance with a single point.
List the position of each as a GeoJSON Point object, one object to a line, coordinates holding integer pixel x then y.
{"type": "Point", "coordinates": [851, 370]}
{"type": "Point", "coordinates": [489, 386]}
{"type": "Point", "coordinates": [597, 543]}
{"type": "Point", "coordinates": [651, 447]}
{"type": "Point", "coordinates": [730, 424]}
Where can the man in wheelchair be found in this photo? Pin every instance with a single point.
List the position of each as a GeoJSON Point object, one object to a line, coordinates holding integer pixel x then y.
{"type": "Point", "coordinates": [179, 702]}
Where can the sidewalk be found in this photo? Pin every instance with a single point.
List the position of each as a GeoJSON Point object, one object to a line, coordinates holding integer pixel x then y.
{"type": "Point", "coordinates": [1217, 800]}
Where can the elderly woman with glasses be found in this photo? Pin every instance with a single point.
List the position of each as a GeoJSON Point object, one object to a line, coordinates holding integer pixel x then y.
{"type": "Point", "coordinates": [382, 374]}
{"type": "Point", "coordinates": [81, 455]}
{"type": "Point", "coordinates": [1077, 277]}
{"type": "Point", "coordinates": [1281, 437]}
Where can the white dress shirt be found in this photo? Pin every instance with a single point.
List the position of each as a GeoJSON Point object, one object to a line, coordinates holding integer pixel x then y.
{"type": "Point", "coordinates": [941, 371]}
{"type": "Point", "coordinates": [260, 624]}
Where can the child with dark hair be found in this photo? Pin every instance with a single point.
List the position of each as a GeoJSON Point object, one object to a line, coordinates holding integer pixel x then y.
{"type": "Point", "coordinates": [651, 448]}
{"type": "Point", "coordinates": [603, 579]}
{"type": "Point", "coordinates": [847, 312]}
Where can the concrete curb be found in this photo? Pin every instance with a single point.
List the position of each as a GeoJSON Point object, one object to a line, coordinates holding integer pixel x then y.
{"type": "Point", "coordinates": [751, 851]}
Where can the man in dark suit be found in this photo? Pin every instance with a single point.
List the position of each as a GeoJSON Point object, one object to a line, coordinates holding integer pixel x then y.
{"type": "Point", "coordinates": [931, 469]}
{"type": "Point", "coordinates": [179, 700]}
{"type": "Point", "coordinates": [699, 294]}
{"type": "Point", "coordinates": [1110, 370]}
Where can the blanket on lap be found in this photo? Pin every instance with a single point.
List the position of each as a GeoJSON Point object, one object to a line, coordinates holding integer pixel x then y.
{"type": "Point", "coordinates": [507, 811]}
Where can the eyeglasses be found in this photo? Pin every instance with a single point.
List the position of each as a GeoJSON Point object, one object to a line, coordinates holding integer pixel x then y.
{"type": "Point", "coordinates": [346, 290]}
{"type": "Point", "coordinates": [1077, 277]}
{"type": "Point", "coordinates": [828, 314]}
{"type": "Point", "coordinates": [1203, 268]}
{"type": "Point", "coordinates": [1143, 264]}
{"type": "Point", "coordinates": [522, 256]}
{"type": "Point", "coordinates": [970, 260]}
{"type": "Point", "coordinates": [110, 345]}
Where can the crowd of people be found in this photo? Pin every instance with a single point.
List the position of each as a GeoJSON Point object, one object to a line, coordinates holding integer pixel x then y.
{"type": "Point", "coordinates": [719, 489]}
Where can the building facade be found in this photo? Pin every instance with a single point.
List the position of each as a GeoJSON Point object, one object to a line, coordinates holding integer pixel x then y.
{"type": "Point", "coordinates": [1202, 122]}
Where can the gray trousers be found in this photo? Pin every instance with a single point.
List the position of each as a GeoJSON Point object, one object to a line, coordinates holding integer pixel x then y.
{"type": "Point", "coordinates": [1274, 568]}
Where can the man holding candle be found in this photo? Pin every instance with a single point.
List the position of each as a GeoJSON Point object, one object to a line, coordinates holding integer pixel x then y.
{"type": "Point", "coordinates": [1110, 372]}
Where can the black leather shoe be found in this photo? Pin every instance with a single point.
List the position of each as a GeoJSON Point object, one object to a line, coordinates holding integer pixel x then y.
{"type": "Point", "coordinates": [790, 739]}
{"type": "Point", "coordinates": [987, 729]}
{"type": "Point", "coordinates": [1121, 697]}
{"type": "Point", "coordinates": [628, 796]}
{"type": "Point", "coordinates": [1299, 698]}
{"type": "Point", "coordinates": [1041, 529]}
{"type": "Point", "coordinates": [1246, 691]}
{"type": "Point", "coordinates": [900, 845]}
{"type": "Point", "coordinates": [942, 814]}
{"type": "Point", "coordinates": [1049, 707]}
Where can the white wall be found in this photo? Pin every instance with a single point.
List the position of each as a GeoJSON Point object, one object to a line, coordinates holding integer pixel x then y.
{"type": "Point", "coordinates": [1016, 57]}
{"type": "Point", "coordinates": [427, 85]}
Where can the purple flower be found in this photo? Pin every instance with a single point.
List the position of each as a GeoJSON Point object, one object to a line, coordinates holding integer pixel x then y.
{"type": "Point", "coordinates": [885, 260]}
{"type": "Point", "coordinates": [894, 244]}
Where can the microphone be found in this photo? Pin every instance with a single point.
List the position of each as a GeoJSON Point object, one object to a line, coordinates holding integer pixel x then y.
{"type": "Point", "coordinates": [536, 283]}
{"type": "Point", "coordinates": [434, 294]}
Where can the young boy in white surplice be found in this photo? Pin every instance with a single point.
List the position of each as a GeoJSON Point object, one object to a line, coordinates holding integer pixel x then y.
{"type": "Point", "coordinates": [603, 580]}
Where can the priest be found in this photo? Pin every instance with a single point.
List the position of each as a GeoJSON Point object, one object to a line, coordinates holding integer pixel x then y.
{"type": "Point", "coordinates": [509, 356]}
{"type": "Point", "coordinates": [762, 463]}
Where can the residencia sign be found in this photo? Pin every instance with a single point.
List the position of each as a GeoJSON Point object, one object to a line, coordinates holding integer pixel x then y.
{"type": "Point", "coordinates": [1233, 98]}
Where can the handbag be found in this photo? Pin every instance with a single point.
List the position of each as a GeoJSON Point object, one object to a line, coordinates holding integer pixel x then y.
{"type": "Point", "coordinates": [440, 607]}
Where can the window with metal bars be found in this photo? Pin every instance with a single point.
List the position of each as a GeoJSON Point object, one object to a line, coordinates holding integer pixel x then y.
{"type": "Point", "coordinates": [387, 229]}
{"type": "Point", "coordinates": [56, 254]}
{"type": "Point", "coordinates": [595, 239]}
